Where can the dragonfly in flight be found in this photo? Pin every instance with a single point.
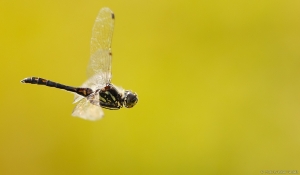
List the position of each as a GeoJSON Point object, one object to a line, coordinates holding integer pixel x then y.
{"type": "Point", "coordinates": [97, 92]}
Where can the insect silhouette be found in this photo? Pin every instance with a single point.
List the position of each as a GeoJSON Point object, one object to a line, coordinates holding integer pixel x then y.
{"type": "Point", "coordinates": [97, 92]}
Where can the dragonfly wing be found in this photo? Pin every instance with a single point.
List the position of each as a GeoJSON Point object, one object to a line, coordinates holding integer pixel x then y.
{"type": "Point", "coordinates": [100, 52]}
{"type": "Point", "coordinates": [77, 98]}
{"type": "Point", "coordinates": [99, 67]}
{"type": "Point", "coordinates": [87, 110]}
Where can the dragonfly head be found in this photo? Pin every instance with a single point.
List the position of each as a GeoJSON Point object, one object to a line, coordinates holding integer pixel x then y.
{"type": "Point", "coordinates": [130, 99]}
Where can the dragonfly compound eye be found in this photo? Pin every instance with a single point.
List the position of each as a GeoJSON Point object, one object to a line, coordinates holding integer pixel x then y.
{"type": "Point", "coordinates": [130, 99]}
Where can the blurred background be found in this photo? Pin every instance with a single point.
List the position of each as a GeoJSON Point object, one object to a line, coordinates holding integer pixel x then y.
{"type": "Point", "coordinates": [218, 86]}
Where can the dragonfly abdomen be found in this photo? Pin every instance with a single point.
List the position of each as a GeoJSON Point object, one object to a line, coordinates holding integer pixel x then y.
{"type": "Point", "coordinates": [41, 81]}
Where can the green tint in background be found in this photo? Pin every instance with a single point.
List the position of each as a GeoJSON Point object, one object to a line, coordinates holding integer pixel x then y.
{"type": "Point", "coordinates": [218, 86]}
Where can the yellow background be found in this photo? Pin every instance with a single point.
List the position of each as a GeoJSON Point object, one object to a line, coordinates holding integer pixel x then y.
{"type": "Point", "coordinates": [218, 86]}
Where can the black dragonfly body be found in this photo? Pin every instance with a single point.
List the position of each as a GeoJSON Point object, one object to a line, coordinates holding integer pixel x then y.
{"type": "Point", "coordinates": [97, 92]}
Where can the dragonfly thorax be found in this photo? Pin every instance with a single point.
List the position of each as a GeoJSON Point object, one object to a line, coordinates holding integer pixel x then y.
{"type": "Point", "coordinates": [112, 97]}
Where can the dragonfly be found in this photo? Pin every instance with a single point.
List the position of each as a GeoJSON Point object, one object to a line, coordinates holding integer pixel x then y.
{"type": "Point", "coordinates": [97, 91]}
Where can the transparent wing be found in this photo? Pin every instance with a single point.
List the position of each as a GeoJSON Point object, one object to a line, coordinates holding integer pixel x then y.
{"type": "Point", "coordinates": [101, 55]}
{"type": "Point", "coordinates": [88, 108]}
{"type": "Point", "coordinates": [99, 67]}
